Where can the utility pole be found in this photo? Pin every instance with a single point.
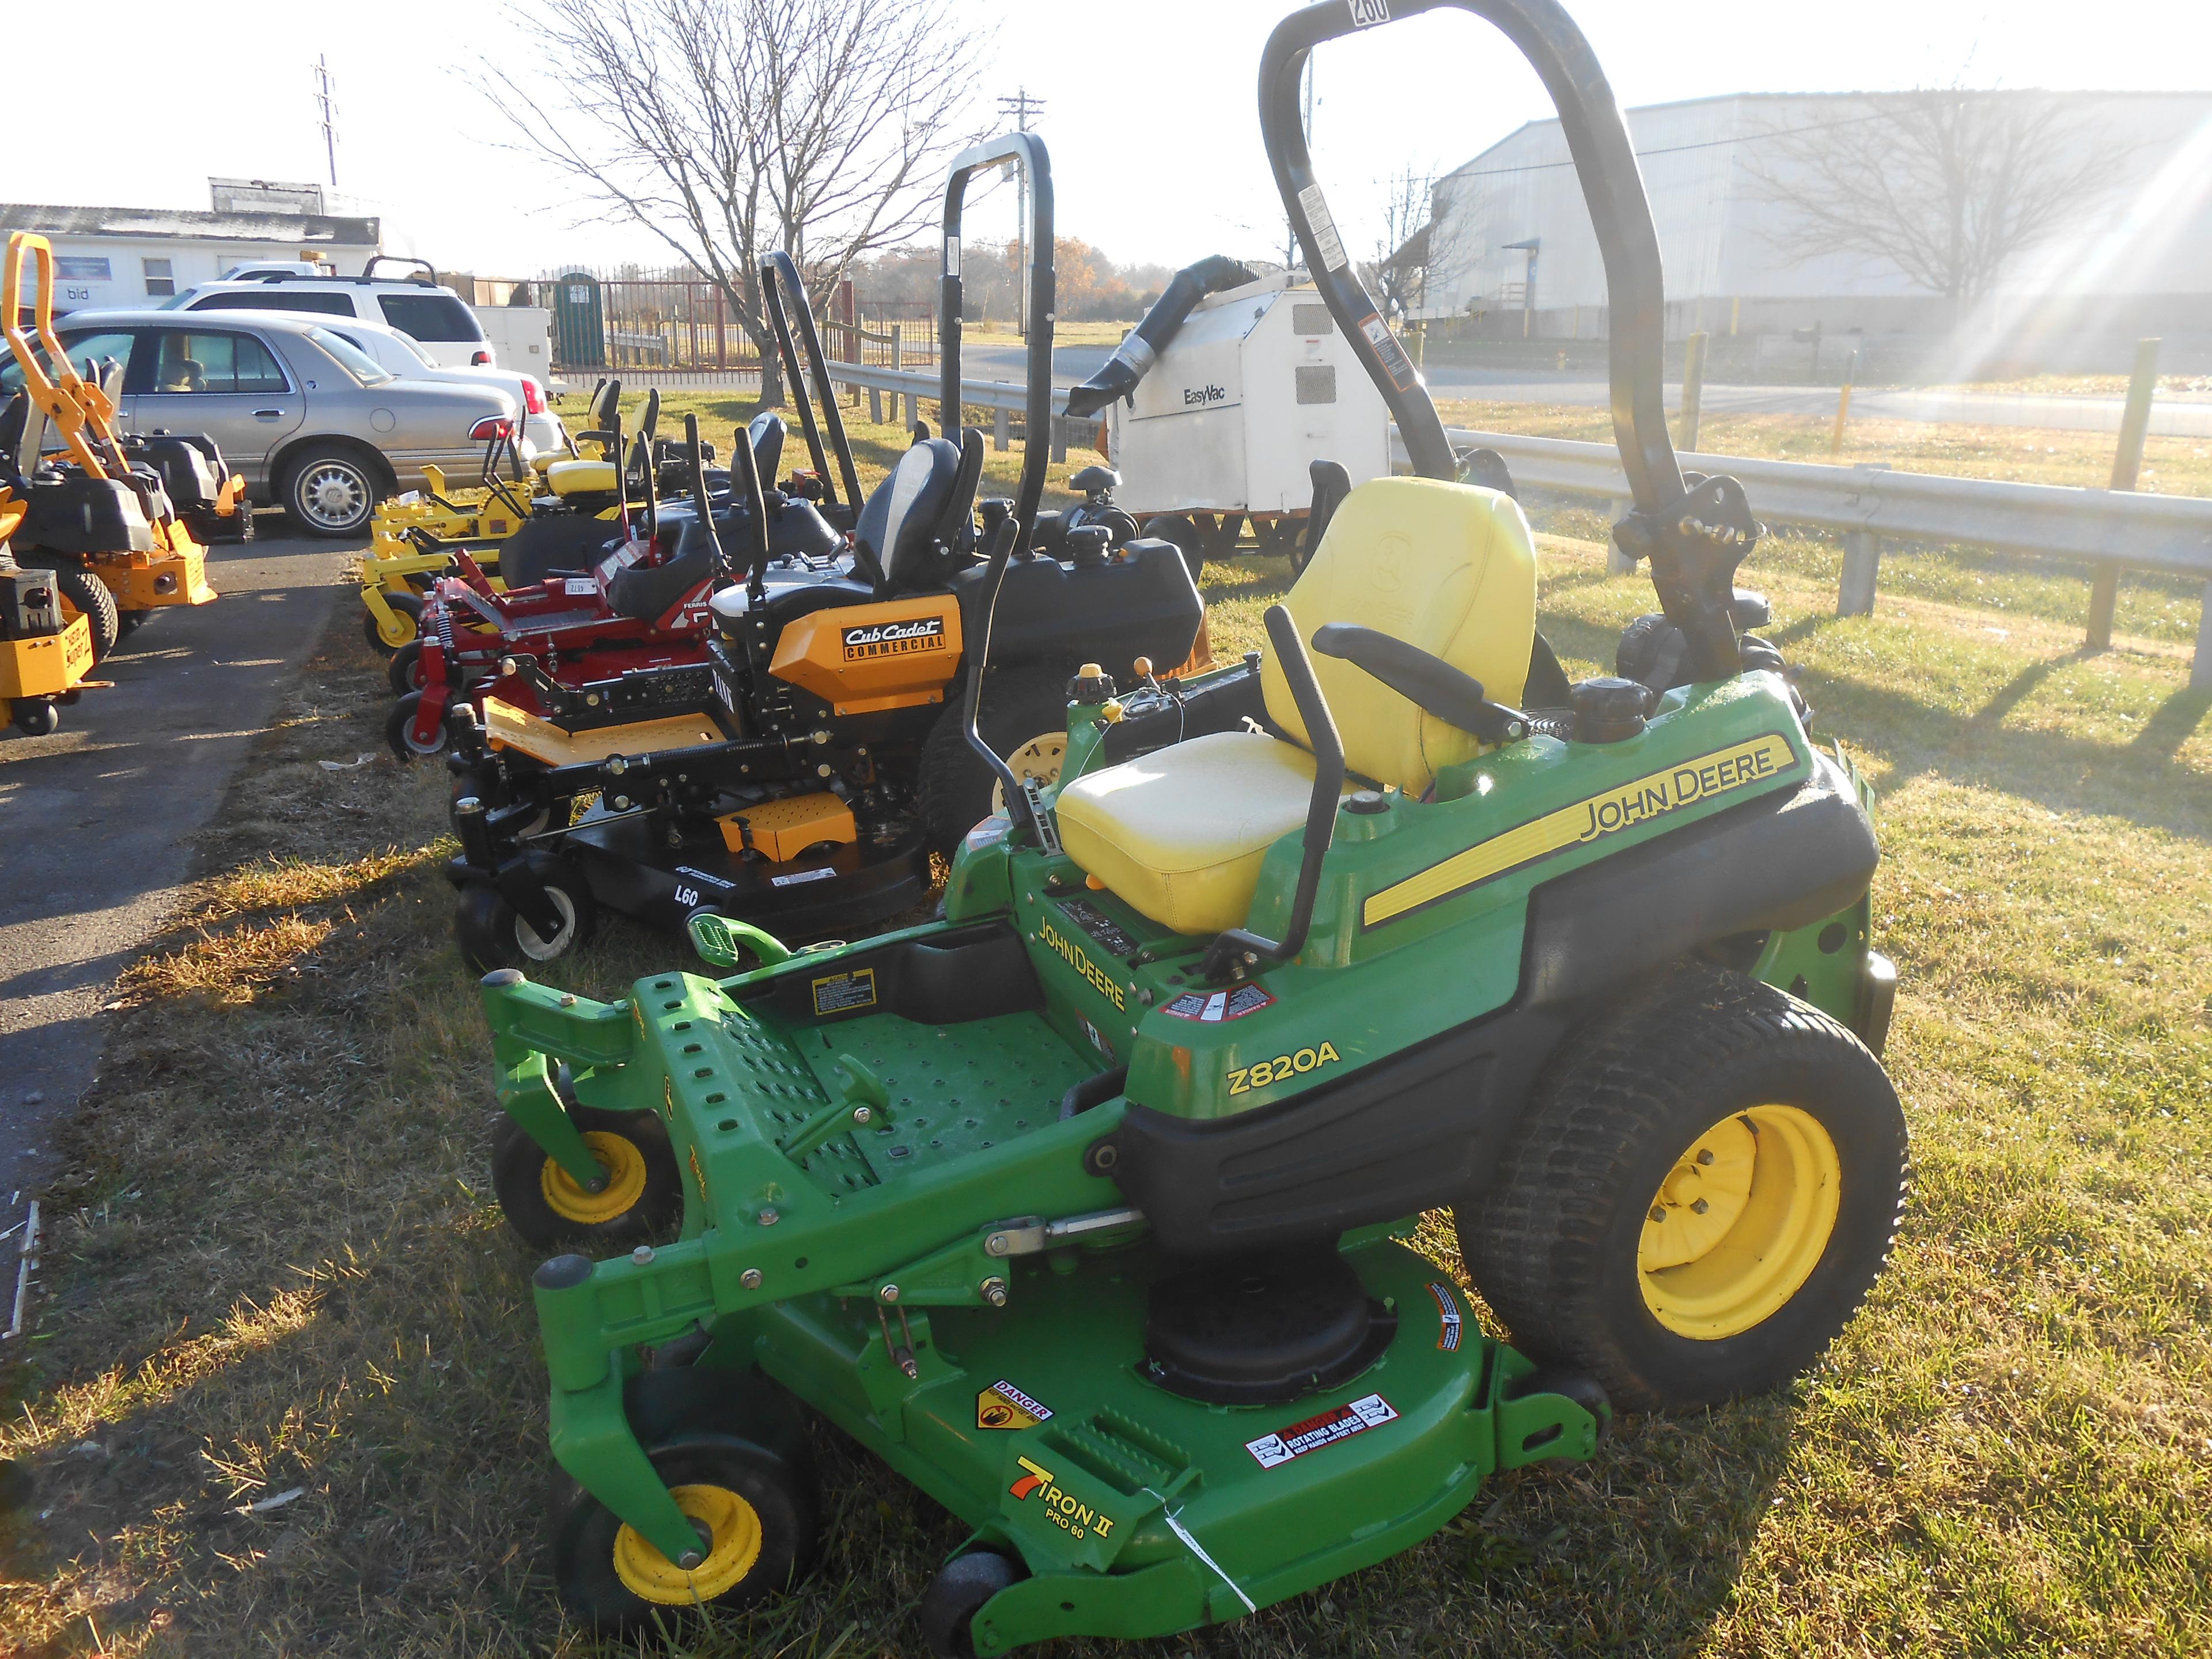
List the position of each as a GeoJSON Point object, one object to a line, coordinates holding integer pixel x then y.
{"type": "Point", "coordinates": [1021, 106]}
{"type": "Point", "coordinates": [322, 69]}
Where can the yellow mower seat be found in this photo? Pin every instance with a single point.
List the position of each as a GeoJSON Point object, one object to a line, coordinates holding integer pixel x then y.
{"type": "Point", "coordinates": [1181, 834]}
{"type": "Point", "coordinates": [582, 478]}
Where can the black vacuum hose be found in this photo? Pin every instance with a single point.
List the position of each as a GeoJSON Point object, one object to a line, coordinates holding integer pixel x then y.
{"type": "Point", "coordinates": [1137, 353]}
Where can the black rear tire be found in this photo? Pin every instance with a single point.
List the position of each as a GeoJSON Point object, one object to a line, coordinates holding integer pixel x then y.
{"type": "Point", "coordinates": [90, 598]}
{"type": "Point", "coordinates": [778, 1508]}
{"type": "Point", "coordinates": [1018, 704]}
{"type": "Point", "coordinates": [548, 1212]}
{"type": "Point", "coordinates": [958, 1593]}
{"type": "Point", "coordinates": [1791, 1221]}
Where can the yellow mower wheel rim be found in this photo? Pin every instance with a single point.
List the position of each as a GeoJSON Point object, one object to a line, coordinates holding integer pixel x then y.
{"type": "Point", "coordinates": [732, 1523]}
{"type": "Point", "coordinates": [1039, 758]}
{"type": "Point", "coordinates": [625, 1166]}
{"type": "Point", "coordinates": [1740, 1222]}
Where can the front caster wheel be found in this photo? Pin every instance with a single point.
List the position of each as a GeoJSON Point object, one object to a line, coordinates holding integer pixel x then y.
{"type": "Point", "coordinates": [399, 730]}
{"type": "Point", "coordinates": [36, 717]}
{"type": "Point", "coordinates": [550, 1210]}
{"type": "Point", "coordinates": [1700, 1196]}
{"type": "Point", "coordinates": [406, 609]}
{"type": "Point", "coordinates": [492, 935]}
{"type": "Point", "coordinates": [957, 1594]}
{"type": "Point", "coordinates": [757, 1515]}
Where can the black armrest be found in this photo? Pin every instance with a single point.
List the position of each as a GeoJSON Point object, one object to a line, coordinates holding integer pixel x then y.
{"type": "Point", "coordinates": [1429, 682]}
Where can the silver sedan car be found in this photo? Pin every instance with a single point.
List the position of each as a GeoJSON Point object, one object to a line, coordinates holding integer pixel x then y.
{"type": "Point", "coordinates": [313, 423]}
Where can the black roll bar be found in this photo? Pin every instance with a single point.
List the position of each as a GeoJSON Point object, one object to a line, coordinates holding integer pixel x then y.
{"type": "Point", "coordinates": [779, 275]}
{"type": "Point", "coordinates": [1027, 151]}
{"type": "Point", "coordinates": [1694, 540]}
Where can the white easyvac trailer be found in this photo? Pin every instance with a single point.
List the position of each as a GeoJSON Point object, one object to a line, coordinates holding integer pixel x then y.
{"type": "Point", "coordinates": [1215, 417]}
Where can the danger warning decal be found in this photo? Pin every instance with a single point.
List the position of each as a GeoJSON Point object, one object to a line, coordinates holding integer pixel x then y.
{"type": "Point", "coordinates": [893, 639]}
{"type": "Point", "coordinates": [1003, 1405]}
{"type": "Point", "coordinates": [1448, 1317]}
{"type": "Point", "coordinates": [1396, 363]}
{"type": "Point", "coordinates": [1273, 1451]}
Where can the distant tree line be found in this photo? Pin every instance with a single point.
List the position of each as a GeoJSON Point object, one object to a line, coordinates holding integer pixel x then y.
{"type": "Point", "coordinates": [1090, 287]}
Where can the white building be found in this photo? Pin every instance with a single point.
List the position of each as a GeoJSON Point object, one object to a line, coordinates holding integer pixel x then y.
{"type": "Point", "coordinates": [2139, 260]}
{"type": "Point", "coordinates": [118, 256]}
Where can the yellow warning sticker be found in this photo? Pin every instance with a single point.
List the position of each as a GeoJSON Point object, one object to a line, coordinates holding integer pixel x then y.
{"type": "Point", "coordinates": [1003, 1405]}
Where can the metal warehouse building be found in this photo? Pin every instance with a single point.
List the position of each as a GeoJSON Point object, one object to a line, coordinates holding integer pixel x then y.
{"type": "Point", "coordinates": [1510, 245]}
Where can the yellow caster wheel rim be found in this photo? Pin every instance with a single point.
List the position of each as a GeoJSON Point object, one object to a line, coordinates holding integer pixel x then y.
{"type": "Point", "coordinates": [732, 1526]}
{"type": "Point", "coordinates": [625, 1166]}
{"type": "Point", "coordinates": [1739, 1224]}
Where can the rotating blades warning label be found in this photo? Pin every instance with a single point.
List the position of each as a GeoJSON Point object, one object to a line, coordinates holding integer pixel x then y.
{"type": "Point", "coordinates": [1341, 1423]}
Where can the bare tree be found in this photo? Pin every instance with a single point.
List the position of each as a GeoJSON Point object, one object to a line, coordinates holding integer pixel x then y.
{"type": "Point", "coordinates": [1947, 184]}
{"type": "Point", "coordinates": [731, 128]}
{"type": "Point", "coordinates": [1401, 266]}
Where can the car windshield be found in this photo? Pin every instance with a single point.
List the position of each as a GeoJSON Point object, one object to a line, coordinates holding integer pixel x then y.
{"type": "Point", "coordinates": [415, 346]}
{"type": "Point", "coordinates": [175, 301]}
{"type": "Point", "coordinates": [352, 358]}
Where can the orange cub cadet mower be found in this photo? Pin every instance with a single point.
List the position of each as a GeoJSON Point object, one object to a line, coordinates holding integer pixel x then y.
{"type": "Point", "coordinates": [115, 515]}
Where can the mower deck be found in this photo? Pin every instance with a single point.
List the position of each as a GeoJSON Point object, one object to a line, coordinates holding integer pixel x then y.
{"type": "Point", "coordinates": [1281, 1496]}
{"type": "Point", "coordinates": [631, 869]}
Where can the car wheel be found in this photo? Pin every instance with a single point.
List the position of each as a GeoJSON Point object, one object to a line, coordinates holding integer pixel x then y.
{"type": "Point", "coordinates": [331, 492]}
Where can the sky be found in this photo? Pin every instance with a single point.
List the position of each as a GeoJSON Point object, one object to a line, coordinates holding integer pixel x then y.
{"type": "Point", "coordinates": [1149, 105]}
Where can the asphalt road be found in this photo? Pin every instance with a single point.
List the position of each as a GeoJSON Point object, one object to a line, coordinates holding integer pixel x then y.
{"type": "Point", "coordinates": [2169, 415]}
{"type": "Point", "coordinates": [96, 821]}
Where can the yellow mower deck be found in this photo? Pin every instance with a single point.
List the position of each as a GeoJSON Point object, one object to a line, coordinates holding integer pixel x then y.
{"type": "Point", "coordinates": [508, 727]}
{"type": "Point", "coordinates": [47, 667]}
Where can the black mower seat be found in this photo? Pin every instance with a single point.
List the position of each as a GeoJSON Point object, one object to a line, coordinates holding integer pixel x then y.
{"type": "Point", "coordinates": [900, 520]}
{"type": "Point", "coordinates": [646, 592]}
{"type": "Point", "coordinates": [1180, 833]}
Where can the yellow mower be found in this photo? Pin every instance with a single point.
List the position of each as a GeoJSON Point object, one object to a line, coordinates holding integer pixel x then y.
{"type": "Point", "coordinates": [108, 511]}
{"type": "Point", "coordinates": [422, 535]}
{"type": "Point", "coordinates": [45, 654]}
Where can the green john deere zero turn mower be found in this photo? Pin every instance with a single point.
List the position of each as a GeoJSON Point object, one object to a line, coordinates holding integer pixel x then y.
{"type": "Point", "coordinates": [1085, 1206]}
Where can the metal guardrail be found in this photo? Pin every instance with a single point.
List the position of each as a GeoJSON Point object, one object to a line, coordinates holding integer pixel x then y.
{"type": "Point", "coordinates": [2127, 530]}
{"type": "Point", "coordinates": [1002, 398]}
{"type": "Point", "coordinates": [1867, 505]}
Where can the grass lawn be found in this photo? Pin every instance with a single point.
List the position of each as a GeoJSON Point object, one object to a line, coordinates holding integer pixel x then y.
{"type": "Point", "coordinates": [275, 1266]}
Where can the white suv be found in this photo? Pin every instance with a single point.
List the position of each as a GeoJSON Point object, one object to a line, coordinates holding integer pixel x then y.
{"type": "Point", "coordinates": [417, 305]}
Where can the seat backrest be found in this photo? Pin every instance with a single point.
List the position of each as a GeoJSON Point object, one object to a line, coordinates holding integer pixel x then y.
{"type": "Point", "coordinates": [902, 515]}
{"type": "Point", "coordinates": [1449, 567]}
{"type": "Point", "coordinates": [765, 432]}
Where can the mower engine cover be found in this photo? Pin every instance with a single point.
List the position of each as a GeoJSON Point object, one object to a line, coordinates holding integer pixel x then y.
{"type": "Point", "coordinates": [1141, 605]}
{"type": "Point", "coordinates": [72, 513]}
{"type": "Point", "coordinates": [190, 469]}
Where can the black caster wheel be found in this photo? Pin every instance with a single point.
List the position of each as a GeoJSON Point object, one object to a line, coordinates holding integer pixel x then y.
{"type": "Point", "coordinates": [958, 1593]}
